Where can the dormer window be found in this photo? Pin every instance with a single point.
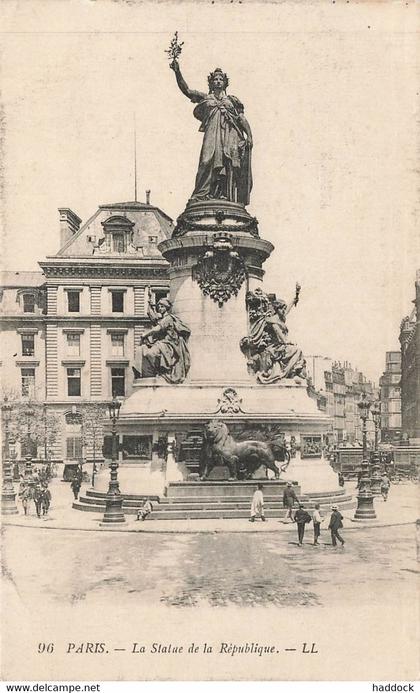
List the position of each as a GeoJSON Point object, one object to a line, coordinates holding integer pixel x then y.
{"type": "Point", "coordinates": [118, 232]}
{"type": "Point", "coordinates": [28, 303]}
{"type": "Point", "coordinates": [118, 242]}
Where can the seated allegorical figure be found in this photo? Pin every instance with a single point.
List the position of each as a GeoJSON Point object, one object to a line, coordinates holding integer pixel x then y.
{"type": "Point", "coordinates": [163, 349]}
{"type": "Point", "coordinates": [267, 347]}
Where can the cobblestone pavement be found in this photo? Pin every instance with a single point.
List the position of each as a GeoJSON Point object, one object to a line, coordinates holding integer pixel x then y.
{"type": "Point", "coordinates": [210, 569]}
{"type": "Point", "coordinates": [120, 588]}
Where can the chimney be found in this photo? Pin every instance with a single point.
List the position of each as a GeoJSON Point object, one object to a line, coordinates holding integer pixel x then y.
{"type": "Point", "coordinates": [148, 197]}
{"type": "Point", "coordinates": [69, 224]}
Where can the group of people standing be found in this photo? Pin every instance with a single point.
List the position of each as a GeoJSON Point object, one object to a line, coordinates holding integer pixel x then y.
{"type": "Point", "coordinates": [35, 489]}
{"type": "Point", "coordinates": [300, 516]}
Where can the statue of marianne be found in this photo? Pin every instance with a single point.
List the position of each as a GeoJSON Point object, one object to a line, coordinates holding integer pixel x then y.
{"type": "Point", "coordinates": [224, 169]}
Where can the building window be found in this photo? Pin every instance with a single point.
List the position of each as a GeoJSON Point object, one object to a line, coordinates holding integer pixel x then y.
{"type": "Point", "coordinates": [311, 446]}
{"type": "Point", "coordinates": [137, 446]}
{"type": "Point", "coordinates": [28, 381]}
{"type": "Point", "coordinates": [117, 301]}
{"type": "Point", "coordinates": [73, 301]}
{"type": "Point", "coordinates": [28, 345]}
{"type": "Point", "coordinates": [28, 303]}
{"type": "Point", "coordinates": [153, 240]}
{"type": "Point", "coordinates": [117, 344]}
{"type": "Point", "coordinates": [74, 448]}
{"type": "Point", "coordinates": [73, 344]}
{"type": "Point", "coordinates": [158, 294]}
{"type": "Point", "coordinates": [118, 242]}
{"type": "Point", "coordinates": [73, 382]}
{"type": "Point", "coordinates": [118, 382]}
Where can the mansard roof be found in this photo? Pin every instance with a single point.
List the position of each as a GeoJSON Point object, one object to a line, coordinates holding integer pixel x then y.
{"type": "Point", "coordinates": [148, 222]}
{"type": "Point", "coordinates": [21, 279]}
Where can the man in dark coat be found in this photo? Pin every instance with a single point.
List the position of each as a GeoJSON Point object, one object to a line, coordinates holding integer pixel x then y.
{"type": "Point", "coordinates": [38, 499]}
{"type": "Point", "coordinates": [336, 523]}
{"type": "Point", "coordinates": [301, 518]}
{"type": "Point", "coordinates": [45, 499]}
{"type": "Point", "coordinates": [75, 486]}
{"type": "Point", "coordinates": [289, 499]}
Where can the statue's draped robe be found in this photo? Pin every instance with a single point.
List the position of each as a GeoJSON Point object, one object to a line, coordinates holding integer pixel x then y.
{"type": "Point", "coordinates": [224, 169]}
{"type": "Point", "coordinates": [279, 358]}
{"type": "Point", "coordinates": [168, 356]}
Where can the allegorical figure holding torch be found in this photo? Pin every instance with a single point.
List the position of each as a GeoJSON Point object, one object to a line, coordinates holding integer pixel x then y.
{"type": "Point", "coordinates": [224, 169]}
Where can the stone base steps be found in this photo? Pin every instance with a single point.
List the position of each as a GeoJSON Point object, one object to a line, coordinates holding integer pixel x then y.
{"type": "Point", "coordinates": [202, 513]}
{"type": "Point", "coordinates": [222, 488]}
{"type": "Point", "coordinates": [223, 505]}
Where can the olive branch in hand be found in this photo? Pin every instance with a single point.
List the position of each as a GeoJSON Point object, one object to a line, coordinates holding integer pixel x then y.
{"type": "Point", "coordinates": [175, 49]}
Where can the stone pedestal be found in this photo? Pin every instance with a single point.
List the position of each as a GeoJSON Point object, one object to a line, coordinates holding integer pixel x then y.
{"type": "Point", "coordinates": [314, 474]}
{"type": "Point", "coordinates": [158, 408]}
{"type": "Point", "coordinates": [216, 256]}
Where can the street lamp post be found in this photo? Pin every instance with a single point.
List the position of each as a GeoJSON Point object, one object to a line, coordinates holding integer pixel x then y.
{"type": "Point", "coordinates": [376, 467]}
{"type": "Point", "coordinates": [8, 495]}
{"type": "Point", "coordinates": [365, 509]}
{"type": "Point", "coordinates": [45, 433]}
{"type": "Point", "coordinates": [114, 500]}
{"type": "Point", "coordinates": [28, 457]}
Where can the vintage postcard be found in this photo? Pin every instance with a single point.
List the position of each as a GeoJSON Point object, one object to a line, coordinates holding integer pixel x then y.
{"type": "Point", "coordinates": [210, 341]}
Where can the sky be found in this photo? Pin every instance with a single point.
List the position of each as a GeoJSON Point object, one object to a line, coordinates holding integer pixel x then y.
{"type": "Point", "coordinates": [330, 92]}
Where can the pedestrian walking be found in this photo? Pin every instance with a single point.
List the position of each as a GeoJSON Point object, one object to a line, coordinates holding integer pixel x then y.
{"type": "Point", "coordinates": [45, 499]}
{"type": "Point", "coordinates": [340, 479]}
{"type": "Point", "coordinates": [38, 500]}
{"type": "Point", "coordinates": [385, 484]}
{"type": "Point", "coordinates": [145, 510]}
{"type": "Point", "coordinates": [94, 473]}
{"type": "Point", "coordinates": [316, 519]}
{"type": "Point", "coordinates": [75, 486]}
{"type": "Point", "coordinates": [26, 497]}
{"type": "Point", "coordinates": [257, 504]}
{"type": "Point", "coordinates": [336, 523]}
{"type": "Point", "coordinates": [289, 499]}
{"type": "Point", "coordinates": [301, 518]}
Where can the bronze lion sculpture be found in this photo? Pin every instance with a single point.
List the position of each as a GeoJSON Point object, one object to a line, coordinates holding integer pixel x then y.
{"type": "Point", "coordinates": [220, 448]}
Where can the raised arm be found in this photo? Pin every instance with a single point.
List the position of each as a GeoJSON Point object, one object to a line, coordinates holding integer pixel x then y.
{"type": "Point", "coordinates": [194, 96]}
{"type": "Point", "coordinates": [294, 301]}
{"type": "Point", "coordinates": [152, 313]}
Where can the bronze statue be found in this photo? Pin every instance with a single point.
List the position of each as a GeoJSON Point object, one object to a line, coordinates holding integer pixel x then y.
{"type": "Point", "coordinates": [163, 349]}
{"type": "Point", "coordinates": [243, 457]}
{"type": "Point", "coordinates": [224, 169]}
{"type": "Point", "coordinates": [267, 347]}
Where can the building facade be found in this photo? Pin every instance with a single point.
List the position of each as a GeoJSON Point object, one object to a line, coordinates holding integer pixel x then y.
{"type": "Point", "coordinates": [338, 388]}
{"type": "Point", "coordinates": [69, 332]}
{"type": "Point", "coordinates": [390, 389]}
{"type": "Point", "coordinates": [410, 370]}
